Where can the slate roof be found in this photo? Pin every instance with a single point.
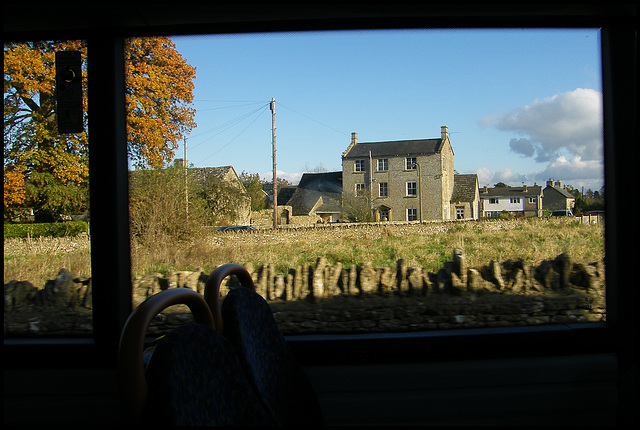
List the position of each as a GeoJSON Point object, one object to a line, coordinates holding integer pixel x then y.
{"type": "Point", "coordinates": [317, 192]}
{"type": "Point", "coordinates": [562, 191]}
{"type": "Point", "coordinates": [218, 172]}
{"type": "Point", "coordinates": [284, 194]}
{"type": "Point", "coordinates": [394, 148]}
{"type": "Point", "coordinates": [464, 188]}
{"type": "Point", "coordinates": [528, 191]}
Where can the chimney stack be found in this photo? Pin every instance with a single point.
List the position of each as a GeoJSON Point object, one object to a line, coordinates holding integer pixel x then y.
{"type": "Point", "coordinates": [444, 132]}
{"type": "Point", "coordinates": [354, 141]}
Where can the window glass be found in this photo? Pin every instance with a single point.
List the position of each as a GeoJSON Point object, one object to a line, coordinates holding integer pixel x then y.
{"type": "Point", "coordinates": [47, 254]}
{"type": "Point", "coordinates": [203, 154]}
{"type": "Point", "coordinates": [411, 163]}
{"type": "Point", "coordinates": [383, 189]}
{"type": "Point", "coordinates": [505, 114]}
{"type": "Point", "coordinates": [412, 189]}
{"type": "Point", "coordinates": [412, 214]}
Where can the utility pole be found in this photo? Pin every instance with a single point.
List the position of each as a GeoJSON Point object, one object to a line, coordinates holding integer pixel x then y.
{"type": "Point", "coordinates": [186, 194]}
{"type": "Point", "coordinates": [273, 143]}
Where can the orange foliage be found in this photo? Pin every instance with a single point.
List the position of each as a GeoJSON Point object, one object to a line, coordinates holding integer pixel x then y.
{"type": "Point", "coordinates": [159, 92]}
{"type": "Point", "coordinates": [14, 187]}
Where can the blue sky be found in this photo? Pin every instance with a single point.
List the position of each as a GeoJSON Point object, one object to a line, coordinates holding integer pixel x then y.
{"type": "Point", "coordinates": [521, 105]}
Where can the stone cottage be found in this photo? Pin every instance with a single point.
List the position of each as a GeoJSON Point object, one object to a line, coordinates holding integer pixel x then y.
{"type": "Point", "coordinates": [318, 195]}
{"type": "Point", "coordinates": [228, 175]}
{"type": "Point", "coordinates": [556, 197]}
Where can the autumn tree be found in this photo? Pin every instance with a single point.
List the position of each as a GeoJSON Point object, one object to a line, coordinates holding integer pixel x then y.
{"type": "Point", "coordinates": [159, 91]}
{"type": "Point", "coordinates": [32, 144]}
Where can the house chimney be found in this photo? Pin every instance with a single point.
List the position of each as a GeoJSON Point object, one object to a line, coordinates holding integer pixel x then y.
{"type": "Point", "coordinates": [524, 188]}
{"type": "Point", "coordinates": [354, 141]}
{"type": "Point", "coordinates": [558, 184]}
{"type": "Point", "coordinates": [444, 132]}
{"type": "Point", "coordinates": [550, 183]}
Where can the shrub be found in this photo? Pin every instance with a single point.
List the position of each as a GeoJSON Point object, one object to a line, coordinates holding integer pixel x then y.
{"type": "Point", "coordinates": [53, 229]}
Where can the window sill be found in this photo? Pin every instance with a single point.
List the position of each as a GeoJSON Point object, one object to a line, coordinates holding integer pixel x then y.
{"type": "Point", "coordinates": [365, 348]}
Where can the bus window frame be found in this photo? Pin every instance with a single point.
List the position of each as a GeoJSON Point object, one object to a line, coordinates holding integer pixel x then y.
{"type": "Point", "coordinates": [110, 228]}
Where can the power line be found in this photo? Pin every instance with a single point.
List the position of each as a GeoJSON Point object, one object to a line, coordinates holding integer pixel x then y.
{"type": "Point", "coordinates": [232, 140]}
{"type": "Point", "coordinates": [229, 101]}
{"type": "Point", "coordinates": [311, 119]}
{"type": "Point", "coordinates": [248, 103]}
{"type": "Point", "coordinates": [225, 126]}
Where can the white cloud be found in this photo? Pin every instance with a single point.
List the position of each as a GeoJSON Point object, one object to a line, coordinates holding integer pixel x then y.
{"type": "Point", "coordinates": [484, 176]}
{"type": "Point", "coordinates": [575, 172]}
{"type": "Point", "coordinates": [564, 131]}
{"type": "Point", "coordinates": [293, 178]}
{"type": "Point", "coordinates": [507, 176]}
{"type": "Point", "coordinates": [570, 122]}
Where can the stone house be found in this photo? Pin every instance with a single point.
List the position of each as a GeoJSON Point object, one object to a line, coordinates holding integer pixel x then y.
{"type": "Point", "coordinates": [556, 197]}
{"type": "Point", "coordinates": [228, 175]}
{"type": "Point", "coordinates": [318, 195]}
{"type": "Point", "coordinates": [522, 201]}
{"type": "Point", "coordinates": [407, 180]}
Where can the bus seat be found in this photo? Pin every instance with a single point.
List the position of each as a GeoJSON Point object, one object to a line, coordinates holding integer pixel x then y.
{"type": "Point", "coordinates": [249, 324]}
{"type": "Point", "coordinates": [193, 376]}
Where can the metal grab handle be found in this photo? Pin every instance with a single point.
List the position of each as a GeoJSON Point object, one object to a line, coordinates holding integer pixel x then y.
{"type": "Point", "coordinates": [212, 288]}
{"type": "Point", "coordinates": [132, 385]}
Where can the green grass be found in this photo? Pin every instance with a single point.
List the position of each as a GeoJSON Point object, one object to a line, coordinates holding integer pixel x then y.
{"type": "Point", "coordinates": [427, 245]}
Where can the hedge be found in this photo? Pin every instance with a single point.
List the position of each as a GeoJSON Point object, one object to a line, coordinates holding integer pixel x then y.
{"type": "Point", "coordinates": [53, 229]}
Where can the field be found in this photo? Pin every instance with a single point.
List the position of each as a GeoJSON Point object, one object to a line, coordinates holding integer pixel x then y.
{"type": "Point", "coordinates": [427, 245]}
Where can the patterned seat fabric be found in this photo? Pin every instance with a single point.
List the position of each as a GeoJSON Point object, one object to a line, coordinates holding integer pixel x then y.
{"type": "Point", "coordinates": [194, 378]}
{"type": "Point", "coordinates": [267, 360]}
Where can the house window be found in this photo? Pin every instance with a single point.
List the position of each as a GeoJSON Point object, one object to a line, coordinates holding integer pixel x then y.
{"type": "Point", "coordinates": [360, 165]}
{"type": "Point", "coordinates": [360, 188]}
{"type": "Point", "coordinates": [383, 164]}
{"type": "Point", "coordinates": [411, 163]}
{"type": "Point", "coordinates": [532, 200]}
{"type": "Point", "coordinates": [515, 199]}
{"type": "Point", "coordinates": [412, 188]}
{"type": "Point", "coordinates": [383, 191]}
{"type": "Point", "coordinates": [493, 201]}
{"type": "Point", "coordinates": [459, 212]}
{"type": "Point", "coordinates": [412, 214]}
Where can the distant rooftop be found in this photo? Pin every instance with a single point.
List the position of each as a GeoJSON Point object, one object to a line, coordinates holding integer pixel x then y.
{"type": "Point", "coordinates": [394, 148]}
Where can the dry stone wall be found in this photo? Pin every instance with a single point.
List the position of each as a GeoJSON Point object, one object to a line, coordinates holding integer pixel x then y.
{"type": "Point", "coordinates": [330, 298]}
